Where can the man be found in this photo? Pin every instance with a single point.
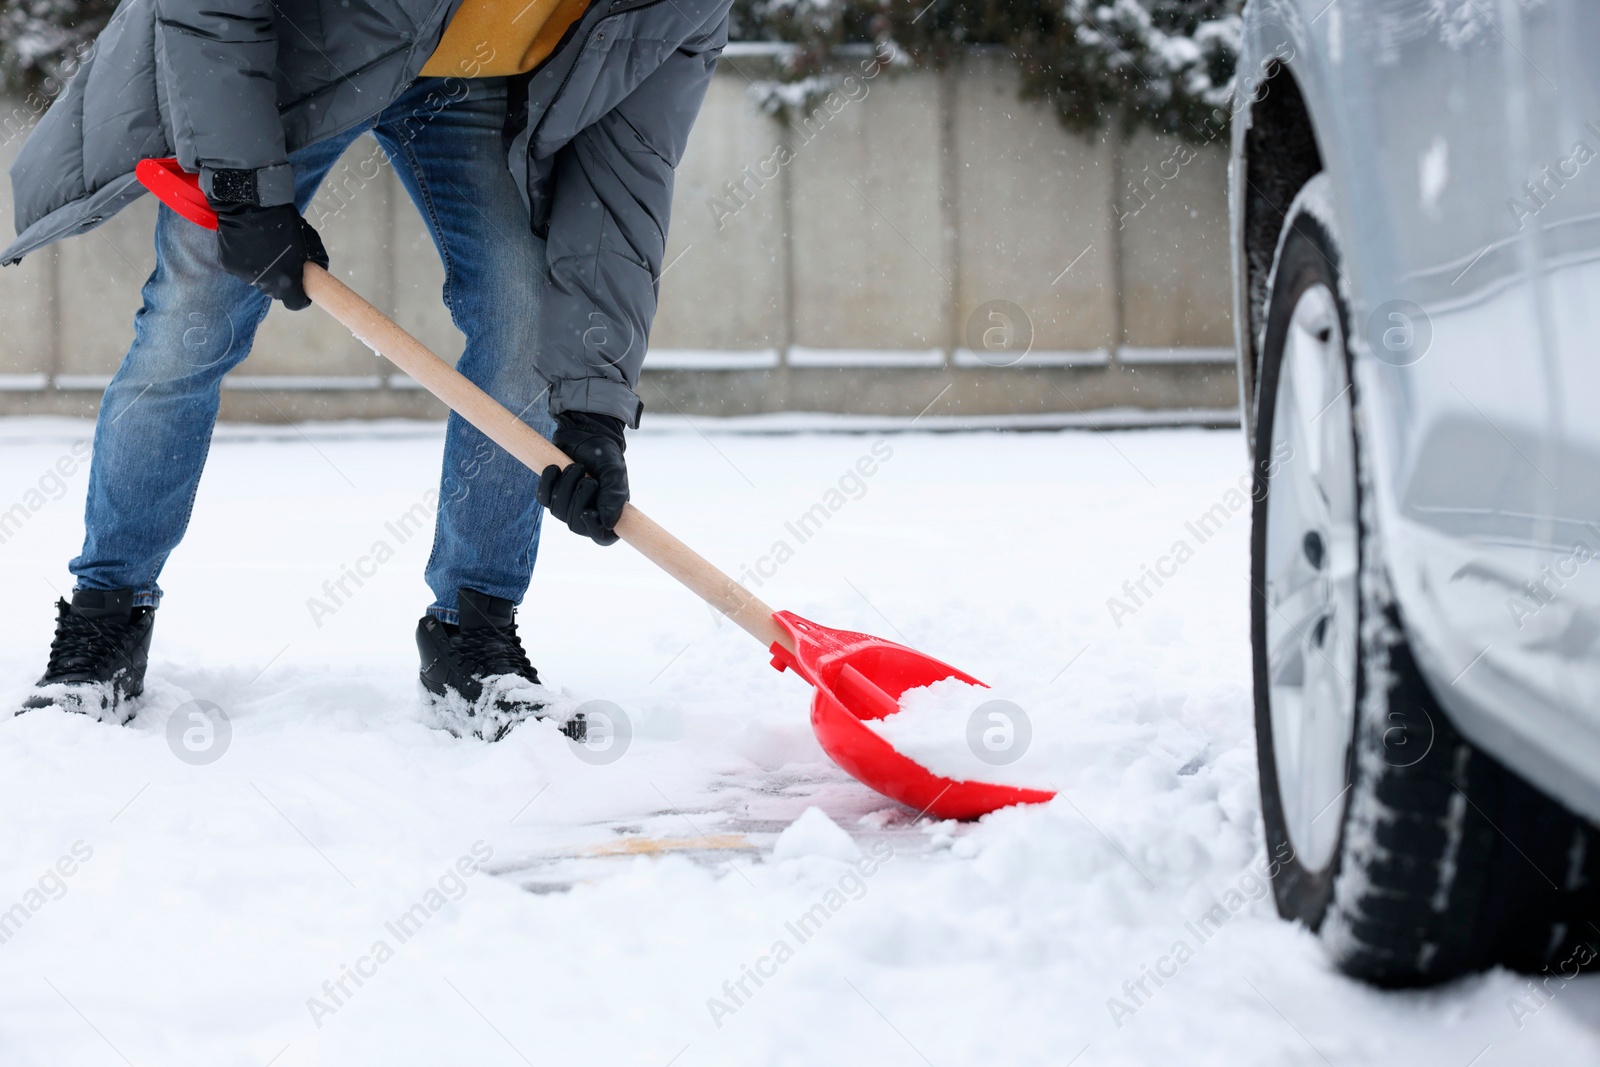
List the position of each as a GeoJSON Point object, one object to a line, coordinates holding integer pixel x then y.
{"type": "Point", "coordinates": [537, 138]}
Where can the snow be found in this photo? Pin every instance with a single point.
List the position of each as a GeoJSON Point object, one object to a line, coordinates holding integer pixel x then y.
{"type": "Point", "coordinates": [504, 702]}
{"type": "Point", "coordinates": [814, 834]}
{"type": "Point", "coordinates": [344, 885]}
{"type": "Point", "coordinates": [972, 734]}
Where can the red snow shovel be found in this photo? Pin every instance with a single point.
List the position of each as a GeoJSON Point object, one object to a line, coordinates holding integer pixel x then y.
{"type": "Point", "coordinates": [856, 676]}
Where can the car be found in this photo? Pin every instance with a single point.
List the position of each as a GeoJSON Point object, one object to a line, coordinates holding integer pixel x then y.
{"type": "Point", "coordinates": [1415, 220]}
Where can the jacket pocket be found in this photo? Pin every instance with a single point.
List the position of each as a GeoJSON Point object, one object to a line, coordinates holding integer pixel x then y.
{"type": "Point", "coordinates": [615, 59]}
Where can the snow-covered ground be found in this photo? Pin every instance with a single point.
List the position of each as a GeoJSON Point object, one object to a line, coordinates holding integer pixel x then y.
{"type": "Point", "coordinates": [344, 886]}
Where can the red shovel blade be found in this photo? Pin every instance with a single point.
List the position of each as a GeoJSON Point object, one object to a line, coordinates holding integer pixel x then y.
{"type": "Point", "coordinates": [176, 188]}
{"type": "Point", "coordinates": [858, 676]}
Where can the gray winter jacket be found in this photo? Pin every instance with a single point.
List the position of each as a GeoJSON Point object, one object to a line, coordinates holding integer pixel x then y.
{"type": "Point", "coordinates": [238, 84]}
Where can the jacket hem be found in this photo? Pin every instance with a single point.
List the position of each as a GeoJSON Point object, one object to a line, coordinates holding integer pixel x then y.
{"type": "Point", "coordinates": [74, 217]}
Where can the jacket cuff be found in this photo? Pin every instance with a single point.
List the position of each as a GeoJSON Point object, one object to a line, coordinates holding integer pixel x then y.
{"type": "Point", "coordinates": [266, 187]}
{"type": "Point", "coordinates": [598, 396]}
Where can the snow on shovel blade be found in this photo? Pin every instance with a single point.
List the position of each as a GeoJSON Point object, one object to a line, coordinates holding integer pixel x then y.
{"type": "Point", "coordinates": [858, 676]}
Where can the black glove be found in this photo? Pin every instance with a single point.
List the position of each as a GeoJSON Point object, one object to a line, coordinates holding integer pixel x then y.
{"type": "Point", "coordinates": [269, 247]}
{"type": "Point", "coordinates": [588, 495]}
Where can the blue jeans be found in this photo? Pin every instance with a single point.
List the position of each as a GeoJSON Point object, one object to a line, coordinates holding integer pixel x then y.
{"type": "Point", "coordinates": [443, 137]}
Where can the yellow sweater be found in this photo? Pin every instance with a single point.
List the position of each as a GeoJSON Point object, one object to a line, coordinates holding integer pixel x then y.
{"type": "Point", "coordinates": [490, 38]}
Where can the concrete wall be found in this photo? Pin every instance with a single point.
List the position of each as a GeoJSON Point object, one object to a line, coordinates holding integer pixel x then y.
{"type": "Point", "coordinates": [916, 230]}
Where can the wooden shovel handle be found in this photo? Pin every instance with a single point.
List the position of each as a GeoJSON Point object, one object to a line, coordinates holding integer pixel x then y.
{"type": "Point", "coordinates": [375, 330]}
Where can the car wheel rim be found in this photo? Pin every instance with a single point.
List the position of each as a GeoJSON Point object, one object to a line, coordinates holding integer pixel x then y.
{"type": "Point", "coordinates": [1312, 558]}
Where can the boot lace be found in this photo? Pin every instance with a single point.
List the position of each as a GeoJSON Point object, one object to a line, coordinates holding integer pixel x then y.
{"type": "Point", "coordinates": [494, 651]}
{"type": "Point", "coordinates": [84, 646]}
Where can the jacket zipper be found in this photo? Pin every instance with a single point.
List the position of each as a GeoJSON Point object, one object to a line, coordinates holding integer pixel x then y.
{"type": "Point", "coordinates": [630, 5]}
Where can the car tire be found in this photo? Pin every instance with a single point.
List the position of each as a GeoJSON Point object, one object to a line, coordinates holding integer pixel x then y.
{"type": "Point", "coordinates": [1413, 854]}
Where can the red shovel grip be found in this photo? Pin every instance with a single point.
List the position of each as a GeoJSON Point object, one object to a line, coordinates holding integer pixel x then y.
{"type": "Point", "coordinates": [178, 189]}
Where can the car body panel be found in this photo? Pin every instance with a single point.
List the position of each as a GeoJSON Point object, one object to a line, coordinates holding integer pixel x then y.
{"type": "Point", "coordinates": [1470, 332]}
